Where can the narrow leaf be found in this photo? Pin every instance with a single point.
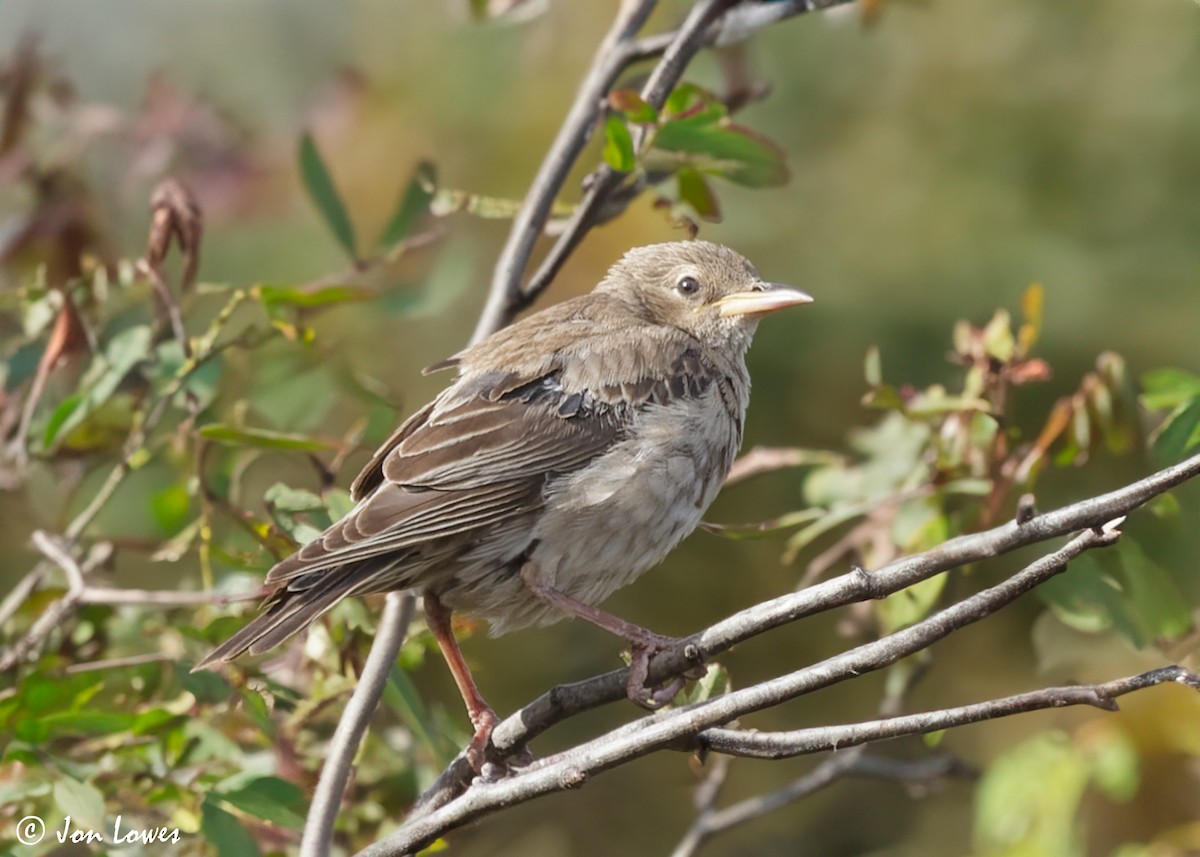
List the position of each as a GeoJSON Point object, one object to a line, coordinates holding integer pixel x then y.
{"type": "Point", "coordinates": [1179, 433]}
{"type": "Point", "coordinates": [412, 207]}
{"type": "Point", "coordinates": [225, 832]}
{"type": "Point", "coordinates": [270, 798]}
{"type": "Point", "coordinates": [236, 436]}
{"type": "Point", "coordinates": [321, 189]}
{"type": "Point", "coordinates": [306, 297]}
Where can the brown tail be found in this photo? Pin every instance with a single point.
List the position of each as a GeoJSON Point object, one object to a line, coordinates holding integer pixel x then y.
{"type": "Point", "coordinates": [287, 612]}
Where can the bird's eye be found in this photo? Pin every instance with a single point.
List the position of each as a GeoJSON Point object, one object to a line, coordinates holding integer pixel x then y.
{"type": "Point", "coordinates": [688, 286]}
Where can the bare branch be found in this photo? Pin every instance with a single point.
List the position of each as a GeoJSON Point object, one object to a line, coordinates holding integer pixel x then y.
{"type": "Point", "coordinates": [164, 598]}
{"type": "Point", "coordinates": [80, 593]}
{"type": "Point", "coordinates": [127, 661]}
{"type": "Point", "coordinates": [850, 763]}
{"type": "Point", "coordinates": [781, 745]}
{"type": "Point", "coordinates": [335, 773]}
{"type": "Point", "coordinates": [736, 25]}
{"type": "Point", "coordinates": [569, 699]}
{"type": "Point", "coordinates": [767, 459]}
{"type": "Point", "coordinates": [505, 297]}
{"type": "Point", "coordinates": [56, 613]}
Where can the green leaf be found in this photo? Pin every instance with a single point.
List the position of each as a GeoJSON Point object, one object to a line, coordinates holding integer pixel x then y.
{"type": "Point", "coordinates": [1169, 388]}
{"type": "Point", "coordinates": [724, 149]}
{"type": "Point", "coordinates": [911, 605]}
{"type": "Point", "coordinates": [1113, 759]}
{"type": "Point", "coordinates": [1179, 433]}
{"type": "Point", "coordinates": [225, 832]}
{"type": "Point", "coordinates": [305, 297]}
{"type": "Point", "coordinates": [412, 207]}
{"type": "Point", "coordinates": [618, 144]}
{"type": "Point", "coordinates": [402, 696]}
{"type": "Point", "coordinates": [694, 191]}
{"type": "Point", "coordinates": [123, 352]}
{"type": "Point", "coordinates": [832, 520]}
{"type": "Point", "coordinates": [170, 507]}
{"type": "Point", "coordinates": [262, 438]}
{"type": "Point", "coordinates": [322, 191]}
{"type": "Point", "coordinates": [206, 686]}
{"type": "Point", "coordinates": [693, 101]}
{"type": "Point", "coordinates": [1027, 800]}
{"type": "Point", "coordinates": [269, 798]}
{"type": "Point", "coordinates": [81, 801]}
{"type": "Point", "coordinates": [73, 724]}
{"type": "Point", "coordinates": [998, 341]}
{"type": "Point", "coordinates": [338, 502]}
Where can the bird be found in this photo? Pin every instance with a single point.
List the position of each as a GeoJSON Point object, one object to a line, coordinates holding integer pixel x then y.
{"type": "Point", "coordinates": [573, 451]}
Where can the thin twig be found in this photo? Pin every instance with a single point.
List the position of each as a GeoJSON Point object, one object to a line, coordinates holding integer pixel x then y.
{"type": "Point", "coordinates": [335, 773]}
{"type": "Point", "coordinates": [707, 824]}
{"type": "Point", "coordinates": [56, 613]}
{"type": "Point", "coordinates": [850, 763]}
{"type": "Point", "coordinates": [799, 742]}
{"type": "Point", "coordinates": [80, 593]}
{"type": "Point", "coordinates": [767, 459]}
{"type": "Point", "coordinates": [737, 25]}
{"type": "Point", "coordinates": [128, 661]}
{"type": "Point", "coordinates": [165, 598]}
{"type": "Point", "coordinates": [505, 298]}
{"type": "Point", "coordinates": [710, 820]}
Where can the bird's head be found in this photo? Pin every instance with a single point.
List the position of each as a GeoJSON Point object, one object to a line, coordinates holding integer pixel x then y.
{"type": "Point", "coordinates": [699, 287]}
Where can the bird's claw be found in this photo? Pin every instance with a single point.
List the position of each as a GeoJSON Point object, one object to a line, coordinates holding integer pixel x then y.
{"type": "Point", "coordinates": [488, 771]}
{"type": "Point", "coordinates": [484, 721]}
{"type": "Point", "coordinates": [641, 652]}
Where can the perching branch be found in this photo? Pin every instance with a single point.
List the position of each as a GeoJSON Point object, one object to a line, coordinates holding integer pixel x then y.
{"type": "Point", "coordinates": [567, 700]}
{"type": "Point", "coordinates": [456, 800]}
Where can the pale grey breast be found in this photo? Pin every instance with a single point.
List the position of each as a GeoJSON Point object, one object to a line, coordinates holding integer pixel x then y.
{"type": "Point", "coordinates": [605, 524]}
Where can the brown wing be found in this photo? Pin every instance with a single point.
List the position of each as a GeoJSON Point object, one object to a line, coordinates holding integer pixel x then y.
{"type": "Point", "coordinates": [476, 457]}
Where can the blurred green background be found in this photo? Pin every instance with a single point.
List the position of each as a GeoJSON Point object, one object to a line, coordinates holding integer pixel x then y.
{"type": "Point", "coordinates": [943, 158]}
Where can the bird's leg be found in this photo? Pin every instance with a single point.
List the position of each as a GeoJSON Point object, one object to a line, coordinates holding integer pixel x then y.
{"type": "Point", "coordinates": [644, 643]}
{"type": "Point", "coordinates": [483, 718]}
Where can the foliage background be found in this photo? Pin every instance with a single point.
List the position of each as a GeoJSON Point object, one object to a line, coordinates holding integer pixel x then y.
{"type": "Point", "coordinates": [942, 159]}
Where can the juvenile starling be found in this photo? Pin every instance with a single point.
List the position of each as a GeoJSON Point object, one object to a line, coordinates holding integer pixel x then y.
{"type": "Point", "coordinates": [573, 451]}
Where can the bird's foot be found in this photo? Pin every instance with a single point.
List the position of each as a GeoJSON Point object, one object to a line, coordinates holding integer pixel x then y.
{"type": "Point", "coordinates": [643, 648]}
{"type": "Point", "coordinates": [485, 721]}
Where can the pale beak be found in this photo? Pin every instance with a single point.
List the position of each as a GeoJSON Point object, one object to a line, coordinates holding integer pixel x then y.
{"type": "Point", "coordinates": [759, 301]}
